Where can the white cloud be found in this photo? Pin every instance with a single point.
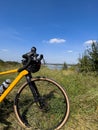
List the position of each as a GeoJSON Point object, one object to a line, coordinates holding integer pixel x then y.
{"type": "Point", "coordinates": [89, 42]}
{"type": "Point", "coordinates": [69, 51]}
{"type": "Point", "coordinates": [56, 40]}
{"type": "Point", "coordinates": [4, 50]}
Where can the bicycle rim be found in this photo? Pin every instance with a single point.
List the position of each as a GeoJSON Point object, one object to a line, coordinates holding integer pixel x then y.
{"type": "Point", "coordinates": [31, 115]}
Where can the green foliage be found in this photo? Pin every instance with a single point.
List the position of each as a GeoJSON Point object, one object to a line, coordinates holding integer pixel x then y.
{"type": "Point", "coordinates": [85, 64]}
{"type": "Point", "coordinates": [82, 91]}
{"type": "Point", "coordinates": [89, 60]}
{"type": "Point", "coordinates": [65, 67]}
{"type": "Point", "coordinates": [9, 62]}
{"type": "Point", "coordinates": [1, 61]}
{"type": "Point", "coordinates": [7, 65]}
{"type": "Point", "coordinates": [93, 54]}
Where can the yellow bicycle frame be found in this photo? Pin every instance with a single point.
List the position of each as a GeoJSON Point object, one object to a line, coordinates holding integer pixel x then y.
{"type": "Point", "coordinates": [14, 82]}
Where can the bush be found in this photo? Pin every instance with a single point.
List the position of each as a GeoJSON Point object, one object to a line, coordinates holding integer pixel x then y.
{"type": "Point", "coordinates": [89, 60]}
{"type": "Point", "coordinates": [65, 67]}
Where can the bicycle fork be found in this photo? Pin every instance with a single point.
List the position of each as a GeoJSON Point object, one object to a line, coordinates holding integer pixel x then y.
{"type": "Point", "coordinates": [35, 92]}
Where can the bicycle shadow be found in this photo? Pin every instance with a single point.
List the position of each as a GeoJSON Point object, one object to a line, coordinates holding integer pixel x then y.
{"type": "Point", "coordinates": [28, 103]}
{"type": "Point", "coordinates": [6, 108]}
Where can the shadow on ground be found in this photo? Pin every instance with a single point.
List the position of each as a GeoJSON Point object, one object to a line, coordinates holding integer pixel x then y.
{"type": "Point", "coordinates": [6, 108]}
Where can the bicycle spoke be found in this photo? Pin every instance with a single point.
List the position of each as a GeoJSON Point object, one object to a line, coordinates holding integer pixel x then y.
{"type": "Point", "coordinates": [54, 110]}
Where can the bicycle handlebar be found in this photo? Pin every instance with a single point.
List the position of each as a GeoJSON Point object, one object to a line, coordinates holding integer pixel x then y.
{"type": "Point", "coordinates": [28, 57]}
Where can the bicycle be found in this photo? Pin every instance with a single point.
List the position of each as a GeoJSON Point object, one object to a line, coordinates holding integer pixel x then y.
{"type": "Point", "coordinates": [40, 103]}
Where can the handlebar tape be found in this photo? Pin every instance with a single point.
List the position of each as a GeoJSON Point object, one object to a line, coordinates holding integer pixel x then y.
{"type": "Point", "coordinates": [28, 63]}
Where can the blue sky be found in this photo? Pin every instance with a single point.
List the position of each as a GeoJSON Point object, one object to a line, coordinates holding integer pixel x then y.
{"type": "Point", "coordinates": [59, 29]}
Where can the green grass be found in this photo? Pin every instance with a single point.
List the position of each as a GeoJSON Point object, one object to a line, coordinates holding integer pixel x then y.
{"type": "Point", "coordinates": [82, 90]}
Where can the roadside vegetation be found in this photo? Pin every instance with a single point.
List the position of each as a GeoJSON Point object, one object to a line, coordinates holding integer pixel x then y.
{"type": "Point", "coordinates": [89, 60]}
{"type": "Point", "coordinates": [80, 82]}
{"type": "Point", "coordinates": [82, 90]}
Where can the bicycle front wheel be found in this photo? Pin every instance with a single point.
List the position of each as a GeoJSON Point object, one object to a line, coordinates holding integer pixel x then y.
{"type": "Point", "coordinates": [28, 110]}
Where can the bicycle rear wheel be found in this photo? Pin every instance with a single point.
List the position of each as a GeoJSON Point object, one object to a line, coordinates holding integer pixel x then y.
{"type": "Point", "coordinates": [29, 113]}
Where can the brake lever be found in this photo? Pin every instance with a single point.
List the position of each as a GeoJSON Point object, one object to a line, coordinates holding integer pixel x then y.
{"type": "Point", "coordinates": [42, 58]}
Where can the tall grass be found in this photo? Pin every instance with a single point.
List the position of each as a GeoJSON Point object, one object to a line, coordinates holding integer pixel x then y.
{"type": "Point", "coordinates": [82, 90]}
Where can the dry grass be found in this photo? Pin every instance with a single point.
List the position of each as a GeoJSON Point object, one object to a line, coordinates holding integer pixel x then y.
{"type": "Point", "coordinates": [83, 95]}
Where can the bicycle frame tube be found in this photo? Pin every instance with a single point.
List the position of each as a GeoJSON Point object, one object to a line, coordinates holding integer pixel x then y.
{"type": "Point", "coordinates": [15, 81]}
{"type": "Point", "coordinates": [8, 72]}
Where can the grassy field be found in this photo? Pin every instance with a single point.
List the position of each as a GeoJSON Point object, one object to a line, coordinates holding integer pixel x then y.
{"type": "Point", "coordinates": [82, 90]}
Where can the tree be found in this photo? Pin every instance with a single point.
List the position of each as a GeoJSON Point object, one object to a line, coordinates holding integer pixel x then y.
{"type": "Point", "coordinates": [93, 54]}
{"type": "Point", "coordinates": [65, 67]}
{"type": "Point", "coordinates": [84, 64]}
{"type": "Point", "coordinates": [1, 61]}
{"type": "Point", "coordinates": [89, 61]}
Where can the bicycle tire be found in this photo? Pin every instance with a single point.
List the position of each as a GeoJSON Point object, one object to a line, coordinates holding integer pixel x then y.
{"type": "Point", "coordinates": [34, 117]}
